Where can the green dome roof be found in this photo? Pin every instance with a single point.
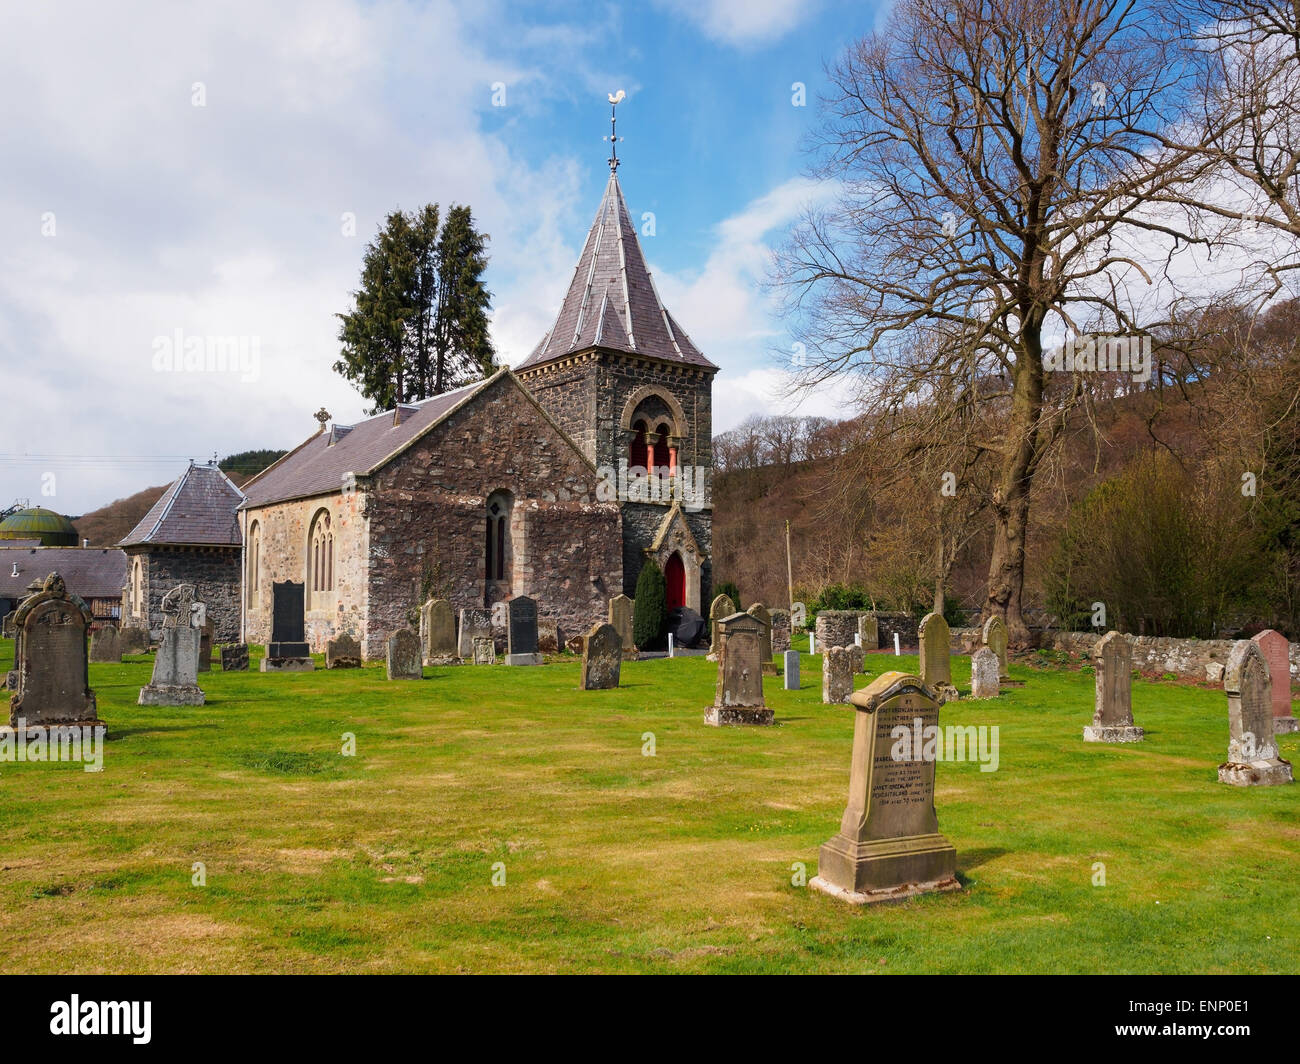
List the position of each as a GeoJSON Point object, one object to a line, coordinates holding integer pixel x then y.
{"type": "Point", "coordinates": [53, 530]}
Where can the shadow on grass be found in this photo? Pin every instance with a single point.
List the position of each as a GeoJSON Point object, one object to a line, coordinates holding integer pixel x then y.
{"type": "Point", "coordinates": [969, 860]}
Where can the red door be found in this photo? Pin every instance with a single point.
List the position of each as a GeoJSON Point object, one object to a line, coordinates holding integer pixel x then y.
{"type": "Point", "coordinates": [675, 576]}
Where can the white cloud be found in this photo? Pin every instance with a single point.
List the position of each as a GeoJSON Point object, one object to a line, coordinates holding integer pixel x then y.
{"type": "Point", "coordinates": [743, 23]}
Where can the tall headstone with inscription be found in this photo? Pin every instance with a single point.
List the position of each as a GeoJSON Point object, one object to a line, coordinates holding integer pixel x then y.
{"type": "Point", "coordinates": [51, 663]}
{"type": "Point", "coordinates": [738, 696]}
{"type": "Point", "coordinates": [722, 607]}
{"type": "Point", "coordinates": [936, 663]}
{"type": "Point", "coordinates": [780, 632]}
{"type": "Point", "coordinates": [438, 632]}
{"type": "Point", "coordinates": [176, 666]}
{"type": "Point", "coordinates": [521, 632]}
{"type": "Point", "coordinates": [403, 660]}
{"type": "Point", "coordinates": [288, 651]}
{"type": "Point", "coordinates": [474, 624]}
{"type": "Point", "coordinates": [602, 658]}
{"type": "Point", "coordinates": [995, 638]}
{"type": "Point", "coordinates": [984, 674]}
{"type": "Point", "coordinates": [1253, 758]}
{"type": "Point", "coordinates": [889, 846]}
{"type": "Point", "coordinates": [837, 674]}
{"type": "Point", "coordinates": [869, 632]}
{"type": "Point", "coordinates": [1112, 719]}
{"type": "Point", "coordinates": [1277, 652]}
{"type": "Point", "coordinates": [620, 616]}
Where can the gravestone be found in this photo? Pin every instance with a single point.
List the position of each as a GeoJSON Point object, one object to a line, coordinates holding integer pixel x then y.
{"type": "Point", "coordinates": [234, 657]}
{"type": "Point", "coordinates": [7, 628]}
{"type": "Point", "coordinates": [984, 673]}
{"type": "Point", "coordinates": [780, 631]}
{"type": "Point", "coordinates": [521, 632]}
{"type": "Point", "coordinates": [134, 640]}
{"type": "Point", "coordinates": [792, 670]}
{"type": "Point", "coordinates": [722, 607]}
{"type": "Point", "coordinates": [288, 650]}
{"type": "Point", "coordinates": [403, 658]}
{"type": "Point", "coordinates": [869, 632]}
{"type": "Point", "coordinates": [1277, 652]}
{"type": "Point", "coordinates": [105, 646]}
{"type": "Point", "coordinates": [1112, 718]}
{"type": "Point", "coordinates": [738, 696]}
{"type": "Point", "coordinates": [51, 663]}
{"type": "Point", "coordinates": [620, 616]}
{"type": "Point", "coordinates": [888, 846]}
{"type": "Point", "coordinates": [936, 664]}
{"type": "Point", "coordinates": [857, 658]}
{"type": "Point", "coordinates": [1253, 759]}
{"type": "Point", "coordinates": [765, 648]}
{"type": "Point", "coordinates": [550, 639]}
{"type": "Point", "coordinates": [837, 674]}
{"type": "Point", "coordinates": [602, 658]}
{"type": "Point", "coordinates": [485, 650]}
{"type": "Point", "coordinates": [995, 638]}
{"type": "Point", "coordinates": [438, 631]}
{"type": "Point", "coordinates": [343, 652]}
{"type": "Point", "coordinates": [176, 667]}
{"type": "Point", "coordinates": [205, 647]}
{"type": "Point", "coordinates": [473, 624]}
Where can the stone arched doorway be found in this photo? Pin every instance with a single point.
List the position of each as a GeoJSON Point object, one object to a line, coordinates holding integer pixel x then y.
{"type": "Point", "coordinates": [675, 578]}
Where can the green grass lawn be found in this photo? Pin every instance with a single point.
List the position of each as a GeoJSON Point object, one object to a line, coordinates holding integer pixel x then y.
{"type": "Point", "coordinates": [616, 861]}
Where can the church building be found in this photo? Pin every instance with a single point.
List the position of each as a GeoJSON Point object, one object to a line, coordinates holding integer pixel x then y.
{"type": "Point", "coordinates": [532, 482]}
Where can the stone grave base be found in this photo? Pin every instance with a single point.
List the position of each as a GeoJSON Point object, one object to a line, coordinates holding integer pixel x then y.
{"type": "Point", "coordinates": [287, 665]}
{"type": "Point", "coordinates": [865, 872]}
{"type": "Point", "coordinates": [718, 716]}
{"type": "Point", "coordinates": [170, 694]}
{"type": "Point", "coordinates": [442, 659]}
{"type": "Point", "coordinates": [1255, 774]}
{"type": "Point", "coordinates": [52, 732]}
{"type": "Point", "coordinates": [340, 663]}
{"type": "Point", "coordinates": [1285, 725]}
{"type": "Point", "coordinates": [523, 659]}
{"type": "Point", "coordinates": [1112, 733]}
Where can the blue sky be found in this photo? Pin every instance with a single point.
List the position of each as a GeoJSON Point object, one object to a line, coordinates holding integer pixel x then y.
{"type": "Point", "coordinates": [187, 170]}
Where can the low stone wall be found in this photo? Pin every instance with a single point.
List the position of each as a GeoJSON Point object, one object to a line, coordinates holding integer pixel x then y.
{"type": "Point", "coordinates": [836, 628]}
{"type": "Point", "coordinates": [1186, 658]}
{"type": "Point", "coordinates": [889, 623]}
{"type": "Point", "coordinates": [965, 640]}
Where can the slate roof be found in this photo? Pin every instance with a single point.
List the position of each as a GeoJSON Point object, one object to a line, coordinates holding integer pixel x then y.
{"type": "Point", "coordinates": [612, 302]}
{"type": "Point", "coordinates": [95, 572]}
{"type": "Point", "coordinates": [317, 467]}
{"type": "Point", "coordinates": [197, 510]}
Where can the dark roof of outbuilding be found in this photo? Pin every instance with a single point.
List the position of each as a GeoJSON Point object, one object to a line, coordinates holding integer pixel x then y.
{"type": "Point", "coordinates": [197, 510]}
{"type": "Point", "coordinates": [612, 302]}
{"type": "Point", "coordinates": [317, 467]}
{"type": "Point", "coordinates": [94, 572]}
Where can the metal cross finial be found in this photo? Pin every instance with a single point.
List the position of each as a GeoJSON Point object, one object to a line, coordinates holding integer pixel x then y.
{"type": "Point", "coordinates": [615, 98]}
{"type": "Point", "coordinates": [322, 415]}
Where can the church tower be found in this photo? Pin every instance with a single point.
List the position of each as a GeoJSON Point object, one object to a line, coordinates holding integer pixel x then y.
{"type": "Point", "coordinates": [623, 379]}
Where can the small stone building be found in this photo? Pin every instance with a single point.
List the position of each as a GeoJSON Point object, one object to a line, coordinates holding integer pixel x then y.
{"type": "Point", "coordinates": [190, 536]}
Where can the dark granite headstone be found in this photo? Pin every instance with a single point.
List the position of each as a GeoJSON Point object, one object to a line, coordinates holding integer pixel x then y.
{"type": "Point", "coordinates": [521, 632]}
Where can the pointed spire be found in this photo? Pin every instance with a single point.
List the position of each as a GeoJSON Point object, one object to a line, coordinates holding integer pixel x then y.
{"type": "Point", "coordinates": [615, 98]}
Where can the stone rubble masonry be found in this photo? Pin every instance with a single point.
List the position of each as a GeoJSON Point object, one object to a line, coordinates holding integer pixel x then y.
{"type": "Point", "coordinates": [425, 508]}
{"type": "Point", "coordinates": [214, 572]}
{"type": "Point", "coordinates": [1188, 659]}
{"type": "Point", "coordinates": [838, 627]}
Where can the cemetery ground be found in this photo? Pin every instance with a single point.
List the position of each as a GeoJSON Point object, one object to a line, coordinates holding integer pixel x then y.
{"type": "Point", "coordinates": [619, 862]}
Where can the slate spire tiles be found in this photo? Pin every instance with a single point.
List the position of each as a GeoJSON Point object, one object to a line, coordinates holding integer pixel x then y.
{"type": "Point", "coordinates": [612, 302]}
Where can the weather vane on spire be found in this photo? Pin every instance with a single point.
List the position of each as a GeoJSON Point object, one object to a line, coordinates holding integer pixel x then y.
{"type": "Point", "coordinates": [615, 98]}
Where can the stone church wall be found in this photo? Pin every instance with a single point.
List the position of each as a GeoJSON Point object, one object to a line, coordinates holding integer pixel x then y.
{"type": "Point", "coordinates": [214, 574]}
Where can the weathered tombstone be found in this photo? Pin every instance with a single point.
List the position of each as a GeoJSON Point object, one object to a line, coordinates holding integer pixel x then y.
{"type": "Point", "coordinates": [837, 674]}
{"type": "Point", "coordinates": [474, 623]}
{"type": "Point", "coordinates": [1112, 718]}
{"type": "Point", "coordinates": [176, 667]}
{"type": "Point", "coordinates": [857, 658]}
{"type": "Point", "coordinates": [738, 696]}
{"type": "Point", "coordinates": [889, 846]}
{"type": "Point", "coordinates": [620, 616]}
{"type": "Point", "coordinates": [403, 658]}
{"type": "Point", "coordinates": [792, 670]}
{"type": "Point", "coordinates": [936, 664]}
{"type": "Point", "coordinates": [550, 639]}
{"type": "Point", "coordinates": [765, 640]}
{"type": "Point", "coordinates": [288, 650]}
{"type": "Point", "coordinates": [343, 652]}
{"type": "Point", "coordinates": [1253, 759]}
{"type": "Point", "coordinates": [134, 640]}
{"type": "Point", "coordinates": [995, 638]}
{"type": "Point", "coordinates": [485, 650]}
{"type": "Point", "coordinates": [205, 647]}
{"type": "Point", "coordinates": [1277, 652]}
{"type": "Point", "coordinates": [984, 673]}
{"type": "Point", "coordinates": [105, 647]}
{"type": "Point", "coordinates": [722, 607]}
{"type": "Point", "coordinates": [602, 658]}
{"type": "Point", "coordinates": [521, 632]}
{"type": "Point", "coordinates": [438, 627]}
{"type": "Point", "coordinates": [51, 663]}
{"type": "Point", "coordinates": [869, 632]}
{"type": "Point", "coordinates": [7, 628]}
{"type": "Point", "coordinates": [780, 631]}
{"type": "Point", "coordinates": [234, 657]}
